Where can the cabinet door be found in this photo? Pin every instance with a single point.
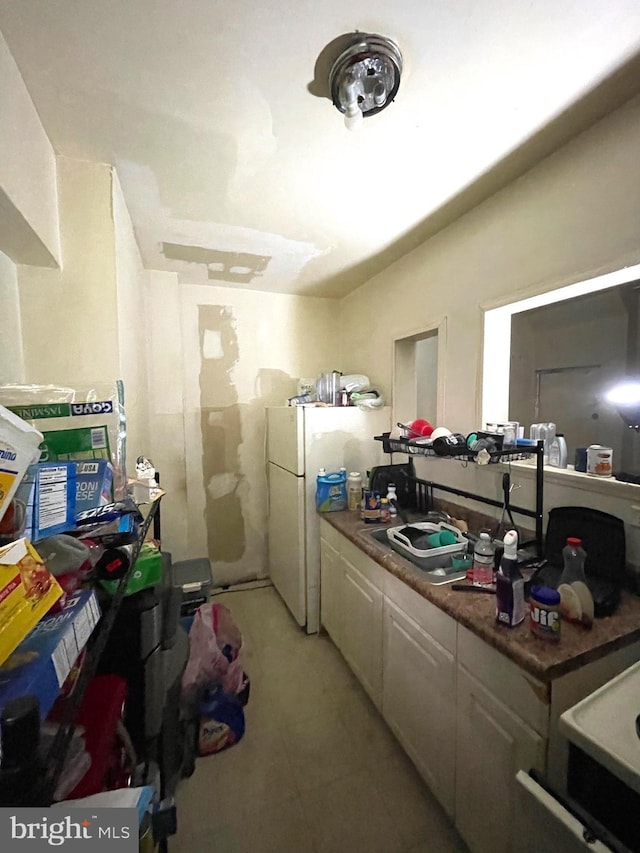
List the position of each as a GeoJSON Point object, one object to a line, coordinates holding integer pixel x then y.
{"type": "Point", "coordinates": [331, 585]}
{"type": "Point", "coordinates": [361, 629]}
{"type": "Point", "coordinates": [418, 700]}
{"type": "Point", "coordinates": [492, 744]}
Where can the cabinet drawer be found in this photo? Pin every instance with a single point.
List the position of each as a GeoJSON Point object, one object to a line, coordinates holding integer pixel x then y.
{"type": "Point", "coordinates": [331, 535]}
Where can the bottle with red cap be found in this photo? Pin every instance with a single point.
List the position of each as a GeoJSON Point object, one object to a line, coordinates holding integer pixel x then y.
{"type": "Point", "coordinates": [576, 601]}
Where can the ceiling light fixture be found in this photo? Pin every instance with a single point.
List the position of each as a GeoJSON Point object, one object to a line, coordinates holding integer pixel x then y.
{"type": "Point", "coordinates": [365, 77]}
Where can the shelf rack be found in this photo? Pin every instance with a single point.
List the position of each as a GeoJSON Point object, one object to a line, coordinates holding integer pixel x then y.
{"type": "Point", "coordinates": [54, 762]}
{"type": "Point", "coordinates": [425, 488]}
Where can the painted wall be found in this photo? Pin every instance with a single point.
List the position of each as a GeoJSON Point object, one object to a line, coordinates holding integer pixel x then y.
{"type": "Point", "coordinates": [219, 357]}
{"type": "Point", "coordinates": [69, 316]}
{"type": "Point", "coordinates": [11, 354]}
{"type": "Point", "coordinates": [84, 326]}
{"type": "Point", "coordinates": [131, 286]}
{"type": "Point", "coordinates": [575, 215]}
{"type": "Point", "coordinates": [28, 195]}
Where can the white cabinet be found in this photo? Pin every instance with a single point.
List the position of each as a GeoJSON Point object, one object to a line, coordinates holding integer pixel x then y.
{"type": "Point", "coordinates": [351, 607]}
{"type": "Point", "coordinates": [418, 700]}
{"type": "Point", "coordinates": [331, 583]}
{"type": "Point", "coordinates": [493, 743]}
{"type": "Point", "coordinates": [362, 629]}
{"type": "Point", "coordinates": [468, 716]}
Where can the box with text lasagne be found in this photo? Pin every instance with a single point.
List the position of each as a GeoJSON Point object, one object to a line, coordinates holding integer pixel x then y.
{"type": "Point", "coordinates": [27, 592]}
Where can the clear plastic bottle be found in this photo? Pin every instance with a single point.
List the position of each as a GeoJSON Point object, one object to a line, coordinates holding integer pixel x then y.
{"type": "Point", "coordinates": [510, 609]}
{"type": "Point", "coordinates": [483, 560]}
{"type": "Point", "coordinates": [573, 560]}
{"type": "Point", "coordinates": [558, 451]}
{"type": "Point", "coordinates": [576, 600]}
{"type": "Point", "coordinates": [391, 497]}
{"type": "Point", "coordinates": [354, 490]}
{"type": "Point", "coordinates": [547, 433]}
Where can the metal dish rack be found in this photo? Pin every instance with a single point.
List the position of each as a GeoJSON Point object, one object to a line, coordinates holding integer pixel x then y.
{"type": "Point", "coordinates": [425, 488]}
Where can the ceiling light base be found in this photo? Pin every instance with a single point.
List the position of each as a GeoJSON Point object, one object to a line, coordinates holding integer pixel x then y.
{"type": "Point", "coordinates": [365, 77]}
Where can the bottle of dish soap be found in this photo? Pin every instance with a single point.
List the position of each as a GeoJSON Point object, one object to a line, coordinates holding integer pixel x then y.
{"type": "Point", "coordinates": [391, 497]}
{"type": "Point", "coordinates": [510, 585]}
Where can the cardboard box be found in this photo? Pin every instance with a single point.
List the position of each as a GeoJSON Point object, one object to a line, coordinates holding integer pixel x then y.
{"type": "Point", "coordinates": [27, 592]}
{"type": "Point", "coordinates": [43, 660]}
{"type": "Point", "coordinates": [50, 490]}
{"type": "Point", "coordinates": [94, 484]}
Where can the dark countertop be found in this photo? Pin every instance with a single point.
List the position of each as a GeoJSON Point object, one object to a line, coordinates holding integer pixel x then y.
{"type": "Point", "coordinates": [543, 659]}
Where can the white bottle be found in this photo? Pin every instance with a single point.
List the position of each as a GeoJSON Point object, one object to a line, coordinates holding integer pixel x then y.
{"type": "Point", "coordinates": [547, 434]}
{"type": "Point", "coordinates": [354, 490]}
{"type": "Point", "coordinates": [392, 496]}
{"type": "Point", "coordinates": [558, 452]}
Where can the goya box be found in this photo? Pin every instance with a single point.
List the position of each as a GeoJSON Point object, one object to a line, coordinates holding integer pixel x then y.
{"type": "Point", "coordinates": [27, 592]}
{"type": "Point", "coordinates": [43, 660]}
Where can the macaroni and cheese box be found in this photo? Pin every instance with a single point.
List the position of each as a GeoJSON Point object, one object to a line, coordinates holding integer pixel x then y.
{"type": "Point", "coordinates": [43, 660]}
{"type": "Point", "coordinates": [49, 490]}
{"type": "Point", "coordinates": [27, 592]}
{"type": "Point", "coordinates": [94, 484]}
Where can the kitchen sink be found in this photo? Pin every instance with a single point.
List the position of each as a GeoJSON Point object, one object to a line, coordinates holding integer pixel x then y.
{"type": "Point", "coordinates": [436, 570]}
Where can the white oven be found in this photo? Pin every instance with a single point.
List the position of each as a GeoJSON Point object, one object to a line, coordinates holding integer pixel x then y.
{"type": "Point", "coordinates": [601, 808]}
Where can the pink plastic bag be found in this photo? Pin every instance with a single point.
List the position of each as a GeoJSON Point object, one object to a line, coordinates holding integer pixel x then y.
{"type": "Point", "coordinates": [215, 644]}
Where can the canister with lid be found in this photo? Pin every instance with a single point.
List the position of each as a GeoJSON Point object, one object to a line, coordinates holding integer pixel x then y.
{"type": "Point", "coordinates": [599, 460]}
{"type": "Point", "coordinates": [544, 612]}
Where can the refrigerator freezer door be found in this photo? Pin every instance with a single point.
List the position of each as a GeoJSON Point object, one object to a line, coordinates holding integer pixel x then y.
{"type": "Point", "coordinates": [285, 438]}
{"type": "Point", "coordinates": [286, 528]}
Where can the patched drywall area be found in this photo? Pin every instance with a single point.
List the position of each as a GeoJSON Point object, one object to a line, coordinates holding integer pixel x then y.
{"type": "Point", "coordinates": [220, 426]}
{"type": "Point", "coordinates": [217, 357]}
{"type": "Point", "coordinates": [233, 267]}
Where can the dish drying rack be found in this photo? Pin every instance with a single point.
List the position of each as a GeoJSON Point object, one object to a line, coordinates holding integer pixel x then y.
{"type": "Point", "coordinates": [424, 489]}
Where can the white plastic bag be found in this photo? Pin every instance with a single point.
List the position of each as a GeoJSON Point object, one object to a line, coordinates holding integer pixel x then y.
{"type": "Point", "coordinates": [215, 646]}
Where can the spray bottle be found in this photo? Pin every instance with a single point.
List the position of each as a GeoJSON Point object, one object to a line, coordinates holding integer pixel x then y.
{"type": "Point", "coordinates": [510, 585]}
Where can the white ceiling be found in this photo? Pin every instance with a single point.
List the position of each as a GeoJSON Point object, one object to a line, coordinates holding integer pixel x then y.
{"type": "Point", "coordinates": [204, 108]}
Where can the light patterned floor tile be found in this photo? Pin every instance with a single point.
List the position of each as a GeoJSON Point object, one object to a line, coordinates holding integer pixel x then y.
{"type": "Point", "coordinates": [317, 771]}
{"type": "Point", "coordinates": [420, 817]}
{"type": "Point", "coordinates": [350, 815]}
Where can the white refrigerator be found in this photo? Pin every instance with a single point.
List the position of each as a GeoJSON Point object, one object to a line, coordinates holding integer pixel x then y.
{"type": "Point", "coordinates": [300, 441]}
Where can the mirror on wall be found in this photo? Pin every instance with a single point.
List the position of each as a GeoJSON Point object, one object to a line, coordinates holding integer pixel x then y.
{"type": "Point", "coordinates": [565, 358]}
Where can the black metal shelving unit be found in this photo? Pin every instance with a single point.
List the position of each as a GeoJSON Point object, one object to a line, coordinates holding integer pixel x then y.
{"type": "Point", "coordinates": [42, 794]}
{"type": "Point", "coordinates": [425, 488]}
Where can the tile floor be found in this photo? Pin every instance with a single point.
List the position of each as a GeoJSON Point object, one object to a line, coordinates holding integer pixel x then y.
{"type": "Point", "coordinates": [317, 769]}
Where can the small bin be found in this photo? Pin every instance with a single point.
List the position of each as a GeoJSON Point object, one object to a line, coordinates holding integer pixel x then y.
{"type": "Point", "coordinates": [195, 580]}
